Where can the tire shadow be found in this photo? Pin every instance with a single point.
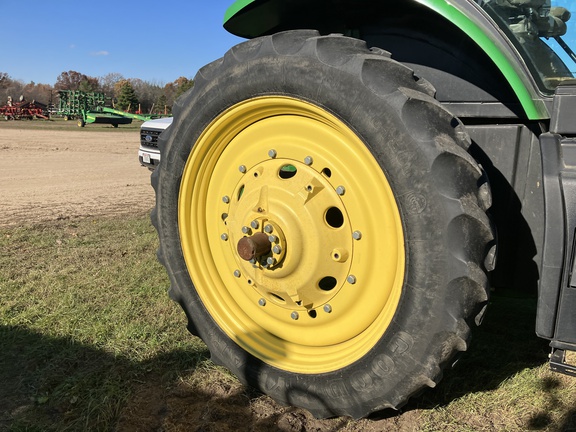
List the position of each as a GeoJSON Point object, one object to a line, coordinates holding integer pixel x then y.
{"type": "Point", "coordinates": [54, 384]}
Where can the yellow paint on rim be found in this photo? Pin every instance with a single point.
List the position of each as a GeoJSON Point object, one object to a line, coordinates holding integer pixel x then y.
{"type": "Point", "coordinates": [336, 277]}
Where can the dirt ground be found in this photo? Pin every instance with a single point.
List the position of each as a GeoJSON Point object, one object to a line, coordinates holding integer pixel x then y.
{"type": "Point", "coordinates": [72, 173]}
{"type": "Point", "coordinates": [66, 174]}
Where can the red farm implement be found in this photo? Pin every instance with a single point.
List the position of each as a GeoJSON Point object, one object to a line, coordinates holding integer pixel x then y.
{"type": "Point", "coordinates": [23, 110]}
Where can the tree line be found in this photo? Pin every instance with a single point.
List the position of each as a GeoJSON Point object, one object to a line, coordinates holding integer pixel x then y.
{"type": "Point", "coordinates": [128, 94]}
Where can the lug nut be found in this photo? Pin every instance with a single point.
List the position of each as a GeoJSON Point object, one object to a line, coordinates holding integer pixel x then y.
{"type": "Point", "coordinates": [246, 230]}
{"type": "Point", "coordinates": [277, 249]}
{"type": "Point", "coordinates": [237, 273]}
{"type": "Point", "coordinates": [356, 235]}
{"type": "Point", "coordinates": [351, 279]}
{"type": "Point", "coordinates": [271, 261]}
{"type": "Point", "coordinates": [226, 199]}
{"type": "Point", "coordinates": [272, 153]}
{"type": "Point", "coordinates": [272, 238]}
{"type": "Point", "coordinates": [224, 236]}
{"type": "Point", "coordinates": [294, 315]}
{"type": "Point", "coordinates": [254, 224]}
{"type": "Point", "coordinates": [262, 302]}
{"type": "Point", "coordinates": [268, 229]}
{"type": "Point", "coordinates": [242, 168]}
{"type": "Point", "coordinates": [327, 308]}
{"type": "Point", "coordinates": [308, 160]}
{"type": "Point", "coordinates": [340, 190]}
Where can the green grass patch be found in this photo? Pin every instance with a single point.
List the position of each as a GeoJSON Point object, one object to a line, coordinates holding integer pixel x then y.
{"type": "Point", "coordinates": [58, 123]}
{"type": "Point", "coordinates": [89, 340]}
{"type": "Point", "coordinates": [84, 316]}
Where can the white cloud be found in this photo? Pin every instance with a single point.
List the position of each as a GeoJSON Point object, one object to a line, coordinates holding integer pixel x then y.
{"type": "Point", "coordinates": [99, 53]}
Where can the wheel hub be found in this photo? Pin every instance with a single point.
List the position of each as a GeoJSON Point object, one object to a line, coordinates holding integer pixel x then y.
{"type": "Point", "coordinates": [292, 236]}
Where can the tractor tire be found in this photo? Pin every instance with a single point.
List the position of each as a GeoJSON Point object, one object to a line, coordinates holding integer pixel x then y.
{"type": "Point", "coordinates": [322, 224]}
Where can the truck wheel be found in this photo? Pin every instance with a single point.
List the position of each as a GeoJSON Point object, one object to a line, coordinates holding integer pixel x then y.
{"type": "Point", "coordinates": [322, 223]}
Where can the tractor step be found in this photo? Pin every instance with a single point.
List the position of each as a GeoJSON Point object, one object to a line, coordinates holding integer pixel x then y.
{"type": "Point", "coordinates": [558, 362]}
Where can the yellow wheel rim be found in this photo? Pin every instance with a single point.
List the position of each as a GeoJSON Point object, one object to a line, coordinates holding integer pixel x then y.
{"type": "Point", "coordinates": [296, 178]}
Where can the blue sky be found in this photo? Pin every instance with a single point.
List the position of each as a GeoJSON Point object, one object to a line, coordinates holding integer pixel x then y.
{"type": "Point", "coordinates": [157, 41]}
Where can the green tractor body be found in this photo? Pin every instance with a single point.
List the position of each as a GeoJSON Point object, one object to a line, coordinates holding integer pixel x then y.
{"type": "Point", "coordinates": [337, 194]}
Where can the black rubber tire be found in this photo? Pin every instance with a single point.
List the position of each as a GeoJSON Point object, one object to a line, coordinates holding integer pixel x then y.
{"type": "Point", "coordinates": [441, 193]}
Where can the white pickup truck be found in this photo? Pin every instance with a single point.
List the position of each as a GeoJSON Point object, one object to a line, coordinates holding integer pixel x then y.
{"type": "Point", "coordinates": [148, 153]}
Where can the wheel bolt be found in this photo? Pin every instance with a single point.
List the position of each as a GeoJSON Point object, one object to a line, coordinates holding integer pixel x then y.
{"type": "Point", "coordinates": [268, 229]}
{"type": "Point", "coordinates": [308, 160]}
{"type": "Point", "coordinates": [327, 308]}
{"type": "Point", "coordinates": [254, 224]}
{"type": "Point", "coordinates": [224, 236]}
{"type": "Point", "coordinates": [262, 302]}
{"type": "Point", "coordinates": [351, 279]}
{"type": "Point", "coordinates": [271, 261]}
{"type": "Point", "coordinates": [246, 230]}
{"type": "Point", "coordinates": [356, 235]}
{"type": "Point", "coordinates": [277, 249]}
{"type": "Point", "coordinates": [272, 238]}
{"type": "Point", "coordinates": [272, 153]}
{"type": "Point", "coordinates": [242, 168]}
{"type": "Point", "coordinates": [340, 190]}
{"type": "Point", "coordinates": [294, 315]}
{"type": "Point", "coordinates": [226, 199]}
{"type": "Point", "coordinates": [237, 273]}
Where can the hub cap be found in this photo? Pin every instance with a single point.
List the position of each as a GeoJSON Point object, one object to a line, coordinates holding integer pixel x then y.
{"type": "Point", "coordinates": [291, 234]}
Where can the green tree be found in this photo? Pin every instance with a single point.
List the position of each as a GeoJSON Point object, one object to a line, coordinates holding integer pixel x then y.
{"type": "Point", "coordinates": [161, 105]}
{"type": "Point", "coordinates": [126, 96]}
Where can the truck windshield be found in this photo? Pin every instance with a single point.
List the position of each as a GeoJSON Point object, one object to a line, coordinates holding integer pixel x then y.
{"type": "Point", "coordinates": [543, 34]}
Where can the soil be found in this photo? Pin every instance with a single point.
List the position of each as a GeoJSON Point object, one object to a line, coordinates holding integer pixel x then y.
{"type": "Point", "coordinates": [72, 173]}
{"type": "Point", "coordinates": [65, 174]}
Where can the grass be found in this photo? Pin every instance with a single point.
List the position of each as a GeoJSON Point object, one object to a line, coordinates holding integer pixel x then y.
{"type": "Point", "coordinates": [87, 329]}
{"type": "Point", "coordinates": [58, 123]}
{"type": "Point", "coordinates": [83, 316]}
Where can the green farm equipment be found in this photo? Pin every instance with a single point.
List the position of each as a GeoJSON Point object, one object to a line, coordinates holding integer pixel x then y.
{"type": "Point", "coordinates": [89, 107]}
{"type": "Point", "coordinates": [337, 194]}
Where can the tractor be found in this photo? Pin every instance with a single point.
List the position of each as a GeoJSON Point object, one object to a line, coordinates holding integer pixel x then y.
{"type": "Point", "coordinates": [338, 194]}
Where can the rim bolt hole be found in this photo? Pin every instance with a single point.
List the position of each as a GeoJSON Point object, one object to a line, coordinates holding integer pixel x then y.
{"type": "Point", "coordinates": [334, 217]}
{"type": "Point", "coordinates": [327, 283]}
